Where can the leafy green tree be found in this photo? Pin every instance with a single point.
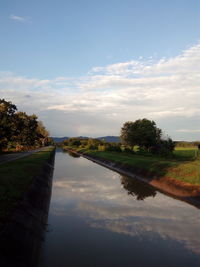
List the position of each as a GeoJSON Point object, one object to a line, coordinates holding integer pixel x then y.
{"type": "Point", "coordinates": [93, 143]}
{"type": "Point", "coordinates": [42, 134]}
{"type": "Point", "coordinates": [163, 147]}
{"type": "Point", "coordinates": [25, 129]}
{"type": "Point", "coordinates": [19, 130]}
{"type": "Point", "coordinates": [66, 142]}
{"type": "Point", "coordinates": [143, 133]}
{"type": "Point", "coordinates": [7, 121]}
{"type": "Point", "coordinates": [73, 141]}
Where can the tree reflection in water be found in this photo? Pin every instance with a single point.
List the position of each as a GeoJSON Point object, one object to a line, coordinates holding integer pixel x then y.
{"type": "Point", "coordinates": [137, 188]}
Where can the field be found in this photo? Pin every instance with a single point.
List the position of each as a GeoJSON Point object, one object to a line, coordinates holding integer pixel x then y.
{"type": "Point", "coordinates": [186, 153]}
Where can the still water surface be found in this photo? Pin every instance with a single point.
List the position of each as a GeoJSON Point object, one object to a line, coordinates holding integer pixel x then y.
{"type": "Point", "coordinates": [100, 218]}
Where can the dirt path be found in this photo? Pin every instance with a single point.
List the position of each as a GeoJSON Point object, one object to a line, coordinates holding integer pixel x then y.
{"type": "Point", "coordinates": [14, 156]}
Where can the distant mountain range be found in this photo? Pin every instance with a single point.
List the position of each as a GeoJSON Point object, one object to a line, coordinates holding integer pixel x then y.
{"type": "Point", "coordinates": [115, 139]}
{"type": "Point", "coordinates": [105, 138]}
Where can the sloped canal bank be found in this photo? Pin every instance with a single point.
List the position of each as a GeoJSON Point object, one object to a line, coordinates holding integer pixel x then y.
{"type": "Point", "coordinates": [23, 230]}
{"type": "Point", "coordinates": [100, 218]}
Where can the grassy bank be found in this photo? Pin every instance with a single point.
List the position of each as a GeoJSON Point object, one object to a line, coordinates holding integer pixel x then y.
{"type": "Point", "coordinates": [183, 165]}
{"type": "Point", "coordinates": [15, 178]}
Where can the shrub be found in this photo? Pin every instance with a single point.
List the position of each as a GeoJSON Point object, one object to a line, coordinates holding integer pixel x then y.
{"type": "Point", "coordinates": [164, 147]}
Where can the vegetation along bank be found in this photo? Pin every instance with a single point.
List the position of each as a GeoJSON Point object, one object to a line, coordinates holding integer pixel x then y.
{"type": "Point", "coordinates": [145, 154]}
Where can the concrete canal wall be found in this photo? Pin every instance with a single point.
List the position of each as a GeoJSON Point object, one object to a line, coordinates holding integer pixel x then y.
{"type": "Point", "coordinates": [21, 240]}
{"type": "Point", "coordinates": [172, 187]}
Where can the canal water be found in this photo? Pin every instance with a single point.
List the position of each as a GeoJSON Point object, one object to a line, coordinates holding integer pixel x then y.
{"type": "Point", "coordinates": [98, 218]}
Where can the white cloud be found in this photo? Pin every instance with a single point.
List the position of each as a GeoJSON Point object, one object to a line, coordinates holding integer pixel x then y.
{"type": "Point", "coordinates": [187, 62]}
{"type": "Point", "coordinates": [103, 202]}
{"type": "Point", "coordinates": [188, 131]}
{"type": "Point", "coordinates": [124, 68]}
{"type": "Point", "coordinates": [20, 18]}
{"type": "Point", "coordinates": [167, 91]}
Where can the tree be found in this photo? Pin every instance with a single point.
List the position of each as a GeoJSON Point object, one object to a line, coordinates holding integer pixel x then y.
{"type": "Point", "coordinates": [42, 134]}
{"type": "Point", "coordinates": [74, 141]}
{"type": "Point", "coordinates": [25, 129]}
{"type": "Point", "coordinates": [163, 147]}
{"type": "Point", "coordinates": [93, 143]}
{"type": "Point", "coordinates": [7, 111]}
{"type": "Point", "coordinates": [143, 133]}
{"type": "Point", "coordinates": [19, 130]}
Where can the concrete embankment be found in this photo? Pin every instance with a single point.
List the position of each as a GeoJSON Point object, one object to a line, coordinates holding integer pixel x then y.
{"type": "Point", "coordinates": [22, 237]}
{"type": "Point", "coordinates": [172, 187]}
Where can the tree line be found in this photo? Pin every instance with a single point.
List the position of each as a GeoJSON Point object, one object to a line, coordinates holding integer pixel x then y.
{"type": "Point", "coordinates": [20, 131]}
{"type": "Point", "coordinates": [141, 135]}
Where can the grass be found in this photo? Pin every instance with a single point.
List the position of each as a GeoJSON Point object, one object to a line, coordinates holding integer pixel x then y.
{"type": "Point", "coordinates": [183, 165]}
{"type": "Point", "coordinates": [151, 164]}
{"type": "Point", "coordinates": [186, 153]}
{"type": "Point", "coordinates": [15, 178]}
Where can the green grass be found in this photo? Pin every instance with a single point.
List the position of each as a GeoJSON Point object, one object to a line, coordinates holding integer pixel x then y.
{"type": "Point", "coordinates": [151, 164]}
{"type": "Point", "coordinates": [15, 178]}
{"type": "Point", "coordinates": [186, 153]}
{"type": "Point", "coordinates": [182, 166]}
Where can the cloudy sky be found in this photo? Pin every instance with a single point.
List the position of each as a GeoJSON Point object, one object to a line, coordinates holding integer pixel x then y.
{"type": "Point", "coordinates": [86, 67]}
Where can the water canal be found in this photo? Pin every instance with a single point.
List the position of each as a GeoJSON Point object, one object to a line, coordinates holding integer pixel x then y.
{"type": "Point", "coordinates": [99, 218]}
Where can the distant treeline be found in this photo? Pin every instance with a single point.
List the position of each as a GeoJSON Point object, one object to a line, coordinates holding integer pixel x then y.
{"type": "Point", "coordinates": [187, 144]}
{"type": "Point", "coordinates": [101, 145]}
{"type": "Point", "coordinates": [112, 139]}
{"type": "Point", "coordinates": [92, 144]}
{"type": "Point", "coordinates": [19, 131]}
{"type": "Point", "coordinates": [141, 135]}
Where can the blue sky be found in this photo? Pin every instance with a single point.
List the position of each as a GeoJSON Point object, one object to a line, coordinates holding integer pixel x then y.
{"type": "Point", "coordinates": [56, 52]}
{"type": "Point", "coordinates": [62, 38]}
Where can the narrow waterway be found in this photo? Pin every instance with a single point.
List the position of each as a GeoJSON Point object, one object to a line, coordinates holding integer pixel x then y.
{"type": "Point", "coordinates": [100, 218]}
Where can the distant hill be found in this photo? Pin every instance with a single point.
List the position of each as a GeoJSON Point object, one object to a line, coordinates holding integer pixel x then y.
{"type": "Point", "coordinates": [111, 139]}
{"type": "Point", "coordinates": [59, 139]}
{"type": "Point", "coordinates": [105, 138]}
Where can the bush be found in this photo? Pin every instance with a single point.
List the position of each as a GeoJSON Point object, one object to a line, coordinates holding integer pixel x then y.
{"type": "Point", "coordinates": [164, 147]}
{"type": "Point", "coordinates": [110, 147]}
{"type": "Point", "coordinates": [101, 147]}
{"type": "Point", "coordinates": [74, 142]}
{"type": "Point", "coordinates": [92, 147]}
{"type": "Point", "coordinates": [113, 147]}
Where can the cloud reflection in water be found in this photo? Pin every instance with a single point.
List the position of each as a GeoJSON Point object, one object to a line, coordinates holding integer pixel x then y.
{"type": "Point", "coordinates": [109, 201]}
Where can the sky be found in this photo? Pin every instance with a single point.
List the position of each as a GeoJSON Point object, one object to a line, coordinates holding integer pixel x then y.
{"type": "Point", "coordinates": [86, 67]}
